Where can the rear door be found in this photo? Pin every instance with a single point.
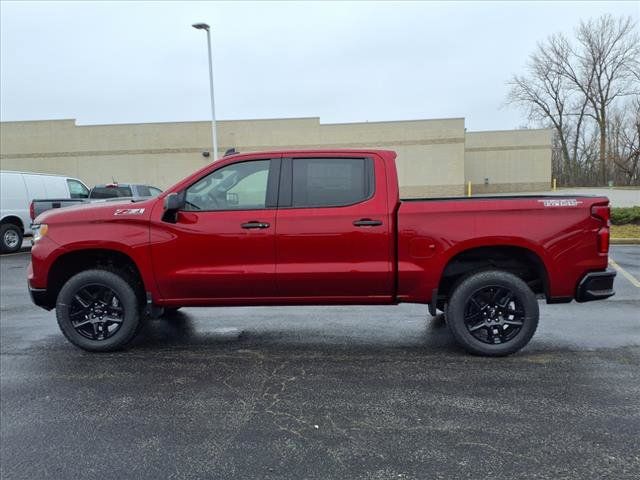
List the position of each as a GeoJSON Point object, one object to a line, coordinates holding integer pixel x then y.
{"type": "Point", "coordinates": [333, 238]}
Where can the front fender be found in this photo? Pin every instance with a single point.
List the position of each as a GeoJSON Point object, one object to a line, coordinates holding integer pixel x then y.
{"type": "Point", "coordinates": [130, 238]}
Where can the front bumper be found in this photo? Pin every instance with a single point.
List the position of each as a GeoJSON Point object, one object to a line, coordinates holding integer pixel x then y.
{"type": "Point", "coordinates": [595, 286]}
{"type": "Point", "coordinates": [40, 297]}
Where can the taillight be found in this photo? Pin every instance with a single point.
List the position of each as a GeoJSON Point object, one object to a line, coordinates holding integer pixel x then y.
{"type": "Point", "coordinates": [602, 213]}
{"type": "Point", "coordinates": [32, 211]}
{"type": "Point", "coordinates": [603, 240]}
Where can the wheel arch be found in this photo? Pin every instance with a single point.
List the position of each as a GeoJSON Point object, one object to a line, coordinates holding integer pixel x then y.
{"type": "Point", "coordinates": [520, 260]}
{"type": "Point", "coordinates": [13, 220]}
{"type": "Point", "coordinates": [72, 262]}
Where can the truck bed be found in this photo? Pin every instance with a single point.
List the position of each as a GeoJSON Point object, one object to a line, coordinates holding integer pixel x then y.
{"type": "Point", "coordinates": [559, 229]}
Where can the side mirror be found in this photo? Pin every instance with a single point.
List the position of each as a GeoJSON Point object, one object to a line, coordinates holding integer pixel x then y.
{"type": "Point", "coordinates": [173, 202]}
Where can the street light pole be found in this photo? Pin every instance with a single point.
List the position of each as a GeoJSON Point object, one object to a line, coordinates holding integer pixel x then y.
{"type": "Point", "coordinates": [214, 137]}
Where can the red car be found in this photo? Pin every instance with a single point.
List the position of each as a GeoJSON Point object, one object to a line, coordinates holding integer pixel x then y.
{"type": "Point", "coordinates": [317, 228]}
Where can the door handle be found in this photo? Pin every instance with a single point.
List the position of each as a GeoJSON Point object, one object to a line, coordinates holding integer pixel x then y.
{"type": "Point", "coordinates": [367, 222]}
{"type": "Point", "coordinates": [254, 224]}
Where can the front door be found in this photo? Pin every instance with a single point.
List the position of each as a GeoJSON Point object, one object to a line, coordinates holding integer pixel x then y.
{"type": "Point", "coordinates": [222, 244]}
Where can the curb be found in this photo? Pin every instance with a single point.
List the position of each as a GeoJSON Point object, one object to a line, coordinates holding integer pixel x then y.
{"type": "Point", "coordinates": [625, 241]}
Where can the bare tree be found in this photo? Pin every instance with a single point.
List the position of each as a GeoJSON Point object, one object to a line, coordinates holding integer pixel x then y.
{"type": "Point", "coordinates": [549, 98]}
{"type": "Point", "coordinates": [623, 134]}
{"type": "Point", "coordinates": [543, 93]}
{"type": "Point", "coordinates": [607, 61]}
{"type": "Point", "coordinates": [572, 87]}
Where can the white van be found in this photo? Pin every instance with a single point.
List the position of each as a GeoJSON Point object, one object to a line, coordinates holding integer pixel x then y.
{"type": "Point", "coordinates": [17, 190]}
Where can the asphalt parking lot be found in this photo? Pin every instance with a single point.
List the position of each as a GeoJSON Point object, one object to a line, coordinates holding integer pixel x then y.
{"type": "Point", "coordinates": [358, 392]}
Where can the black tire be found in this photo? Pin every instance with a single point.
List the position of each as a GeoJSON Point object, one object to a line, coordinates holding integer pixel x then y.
{"type": "Point", "coordinates": [127, 308]}
{"type": "Point", "coordinates": [484, 311]}
{"type": "Point", "coordinates": [10, 238]}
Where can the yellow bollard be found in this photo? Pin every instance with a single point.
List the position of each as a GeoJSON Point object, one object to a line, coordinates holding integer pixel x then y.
{"type": "Point", "coordinates": [554, 184]}
{"type": "Point", "coordinates": [468, 189]}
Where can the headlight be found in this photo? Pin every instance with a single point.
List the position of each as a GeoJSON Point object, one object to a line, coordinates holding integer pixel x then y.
{"type": "Point", "coordinates": [39, 231]}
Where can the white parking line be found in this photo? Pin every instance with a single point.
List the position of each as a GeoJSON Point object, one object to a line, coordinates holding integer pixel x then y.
{"type": "Point", "coordinates": [634, 281]}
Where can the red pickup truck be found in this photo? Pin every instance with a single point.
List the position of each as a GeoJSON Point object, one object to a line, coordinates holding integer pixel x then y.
{"type": "Point", "coordinates": [317, 228]}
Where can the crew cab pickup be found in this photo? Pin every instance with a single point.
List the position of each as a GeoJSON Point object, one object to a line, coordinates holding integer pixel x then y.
{"type": "Point", "coordinates": [317, 228]}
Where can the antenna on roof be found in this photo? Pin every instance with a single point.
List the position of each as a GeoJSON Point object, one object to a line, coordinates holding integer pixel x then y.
{"type": "Point", "coordinates": [231, 151]}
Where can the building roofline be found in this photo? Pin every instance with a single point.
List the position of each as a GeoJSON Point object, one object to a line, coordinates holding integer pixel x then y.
{"type": "Point", "coordinates": [511, 130]}
{"type": "Point", "coordinates": [196, 121]}
{"type": "Point", "coordinates": [281, 119]}
{"type": "Point", "coordinates": [40, 121]}
{"type": "Point", "coordinates": [396, 121]}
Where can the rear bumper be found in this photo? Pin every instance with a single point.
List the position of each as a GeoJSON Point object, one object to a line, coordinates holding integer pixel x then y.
{"type": "Point", "coordinates": [595, 286]}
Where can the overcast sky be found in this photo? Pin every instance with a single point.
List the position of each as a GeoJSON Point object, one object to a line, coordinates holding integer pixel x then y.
{"type": "Point", "coordinates": [124, 62]}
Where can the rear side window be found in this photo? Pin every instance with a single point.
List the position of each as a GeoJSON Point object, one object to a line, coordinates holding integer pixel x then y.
{"type": "Point", "coordinates": [77, 189]}
{"type": "Point", "coordinates": [110, 192]}
{"type": "Point", "coordinates": [331, 182]}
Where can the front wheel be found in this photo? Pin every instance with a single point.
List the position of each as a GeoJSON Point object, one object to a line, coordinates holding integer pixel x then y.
{"type": "Point", "coordinates": [492, 313]}
{"type": "Point", "coordinates": [98, 311]}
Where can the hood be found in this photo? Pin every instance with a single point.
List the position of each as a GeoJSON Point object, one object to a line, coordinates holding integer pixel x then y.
{"type": "Point", "coordinates": [101, 210]}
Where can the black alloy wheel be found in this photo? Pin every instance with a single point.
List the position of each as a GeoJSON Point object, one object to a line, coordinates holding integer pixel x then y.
{"type": "Point", "coordinates": [494, 314]}
{"type": "Point", "coordinates": [96, 312]}
{"type": "Point", "coordinates": [100, 310]}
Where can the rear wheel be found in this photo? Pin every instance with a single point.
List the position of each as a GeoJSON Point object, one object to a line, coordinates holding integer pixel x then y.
{"type": "Point", "coordinates": [492, 313]}
{"type": "Point", "coordinates": [98, 311]}
{"type": "Point", "coordinates": [10, 238]}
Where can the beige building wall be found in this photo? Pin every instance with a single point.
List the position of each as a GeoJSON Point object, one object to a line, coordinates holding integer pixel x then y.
{"type": "Point", "coordinates": [435, 157]}
{"type": "Point", "coordinates": [430, 158]}
{"type": "Point", "coordinates": [508, 160]}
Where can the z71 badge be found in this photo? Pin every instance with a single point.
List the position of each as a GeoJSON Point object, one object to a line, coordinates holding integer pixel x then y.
{"type": "Point", "coordinates": [129, 211]}
{"type": "Point", "coordinates": [560, 202]}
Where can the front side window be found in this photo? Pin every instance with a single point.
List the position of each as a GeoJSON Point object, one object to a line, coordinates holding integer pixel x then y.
{"type": "Point", "coordinates": [77, 189]}
{"type": "Point", "coordinates": [330, 182]}
{"type": "Point", "coordinates": [241, 186]}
